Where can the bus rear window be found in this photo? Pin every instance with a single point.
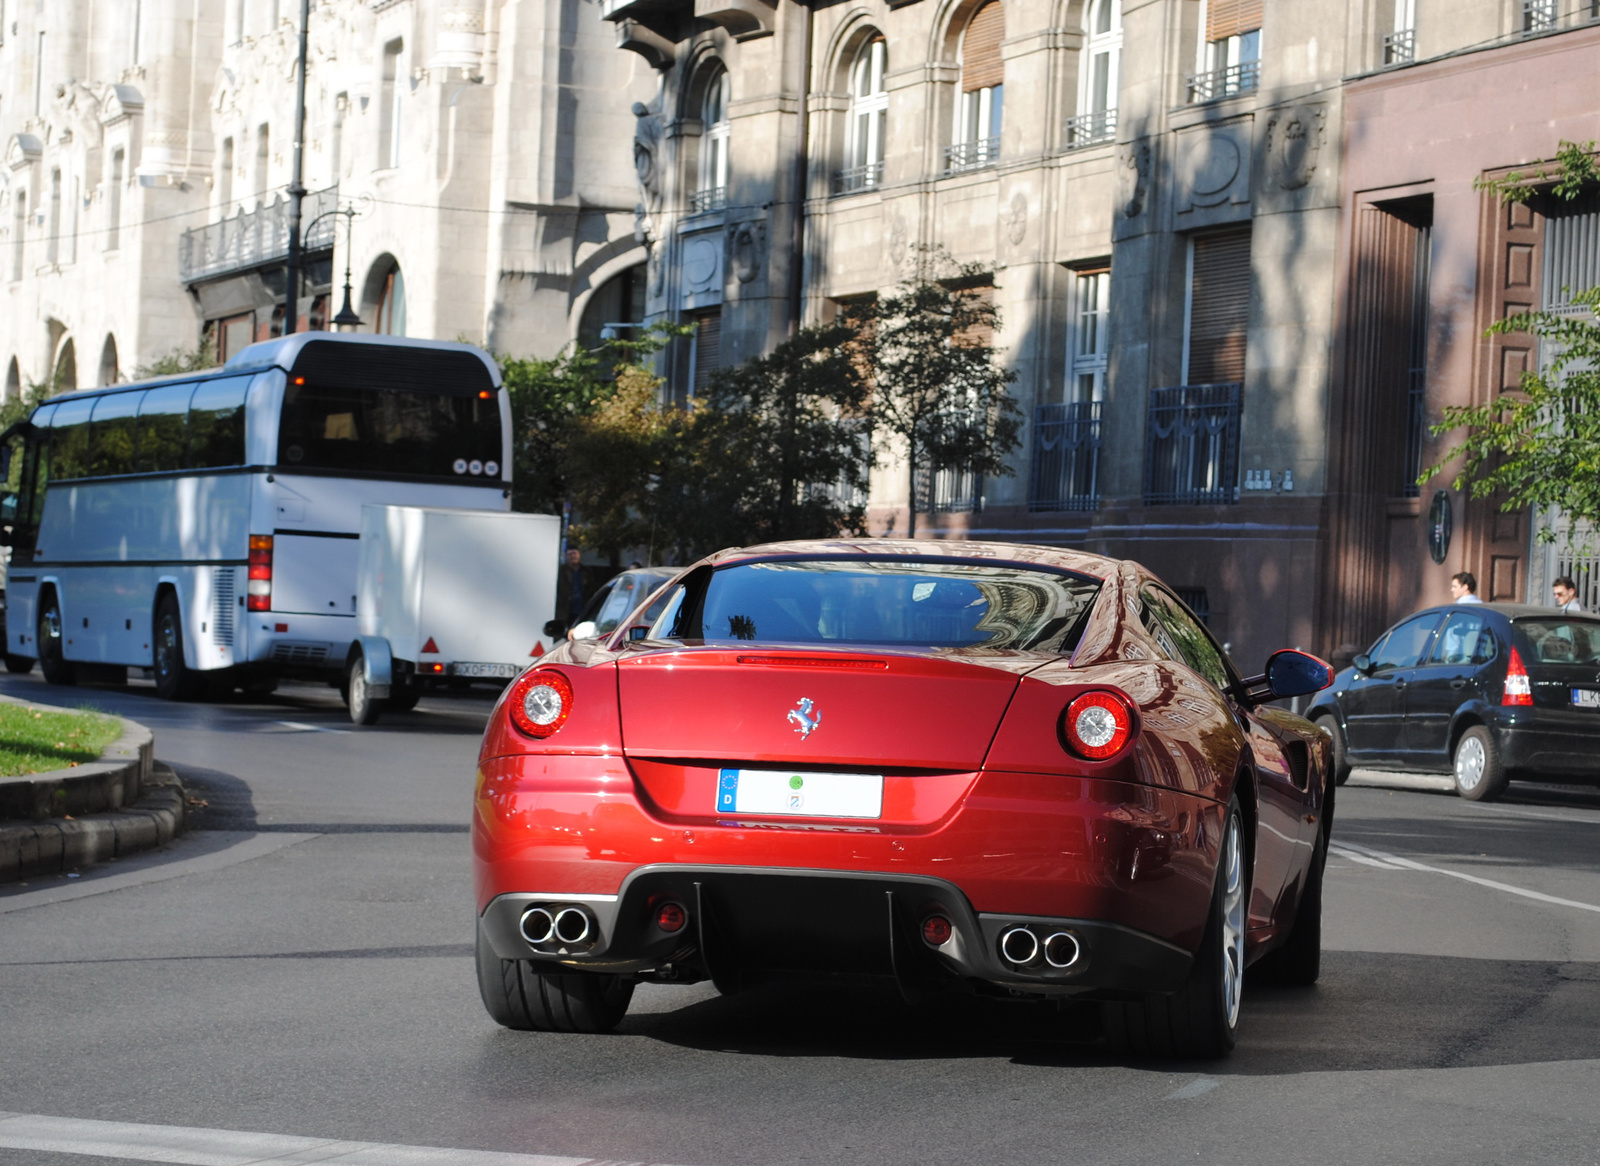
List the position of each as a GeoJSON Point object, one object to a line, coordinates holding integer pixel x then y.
{"type": "Point", "coordinates": [390, 431]}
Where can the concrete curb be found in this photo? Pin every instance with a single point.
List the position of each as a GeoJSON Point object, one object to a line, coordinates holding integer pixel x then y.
{"type": "Point", "coordinates": [119, 805]}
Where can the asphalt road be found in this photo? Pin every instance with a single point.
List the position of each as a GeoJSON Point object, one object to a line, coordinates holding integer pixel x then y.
{"type": "Point", "coordinates": [293, 981]}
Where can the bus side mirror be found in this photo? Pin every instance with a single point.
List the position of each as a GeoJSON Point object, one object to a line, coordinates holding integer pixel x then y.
{"type": "Point", "coordinates": [555, 628]}
{"type": "Point", "coordinates": [8, 508]}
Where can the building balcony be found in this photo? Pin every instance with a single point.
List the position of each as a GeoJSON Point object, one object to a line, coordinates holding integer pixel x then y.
{"type": "Point", "coordinates": [979, 154]}
{"type": "Point", "coordinates": [254, 239]}
{"type": "Point", "coordinates": [1539, 16]}
{"type": "Point", "coordinates": [1219, 83]}
{"type": "Point", "coordinates": [1066, 457]}
{"type": "Point", "coordinates": [1090, 129]}
{"type": "Point", "coordinates": [1192, 445]}
{"type": "Point", "coordinates": [712, 198]}
{"type": "Point", "coordinates": [852, 179]}
{"type": "Point", "coordinates": [1400, 46]}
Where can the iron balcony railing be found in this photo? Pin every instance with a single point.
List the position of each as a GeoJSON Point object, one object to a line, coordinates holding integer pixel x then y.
{"type": "Point", "coordinates": [952, 490]}
{"type": "Point", "coordinates": [713, 198]}
{"type": "Point", "coordinates": [258, 238]}
{"type": "Point", "coordinates": [1066, 457]}
{"type": "Point", "coordinates": [853, 178]}
{"type": "Point", "coordinates": [1192, 445]}
{"type": "Point", "coordinates": [1539, 15]}
{"type": "Point", "coordinates": [1240, 78]}
{"type": "Point", "coordinates": [975, 155]}
{"type": "Point", "coordinates": [1400, 46]}
{"type": "Point", "coordinates": [1089, 129]}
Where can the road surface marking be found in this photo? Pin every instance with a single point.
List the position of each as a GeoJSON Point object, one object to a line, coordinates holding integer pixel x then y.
{"type": "Point", "coordinates": [201, 1147]}
{"type": "Point", "coordinates": [1195, 1088]}
{"type": "Point", "coordinates": [1338, 849]}
{"type": "Point", "coordinates": [1408, 864]}
{"type": "Point", "coordinates": [302, 727]}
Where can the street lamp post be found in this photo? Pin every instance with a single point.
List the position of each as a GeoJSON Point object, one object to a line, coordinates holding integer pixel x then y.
{"type": "Point", "coordinates": [297, 189]}
{"type": "Point", "coordinates": [347, 318]}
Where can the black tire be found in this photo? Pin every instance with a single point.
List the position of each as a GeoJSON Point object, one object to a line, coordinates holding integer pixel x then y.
{"type": "Point", "coordinates": [1200, 1021]}
{"type": "Point", "coordinates": [365, 709]}
{"type": "Point", "coordinates": [1341, 763]}
{"type": "Point", "coordinates": [1479, 772]}
{"type": "Point", "coordinates": [1298, 963]}
{"type": "Point", "coordinates": [53, 663]}
{"type": "Point", "coordinates": [517, 994]}
{"type": "Point", "coordinates": [175, 680]}
{"type": "Point", "coordinates": [20, 663]}
{"type": "Point", "coordinates": [403, 700]}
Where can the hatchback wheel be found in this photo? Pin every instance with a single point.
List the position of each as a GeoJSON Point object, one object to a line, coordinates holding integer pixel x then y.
{"type": "Point", "coordinates": [1480, 776]}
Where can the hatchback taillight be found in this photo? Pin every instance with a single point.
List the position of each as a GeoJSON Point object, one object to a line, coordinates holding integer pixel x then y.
{"type": "Point", "coordinates": [1519, 689]}
{"type": "Point", "coordinates": [1098, 724]}
{"type": "Point", "coordinates": [260, 587]}
{"type": "Point", "coordinates": [540, 702]}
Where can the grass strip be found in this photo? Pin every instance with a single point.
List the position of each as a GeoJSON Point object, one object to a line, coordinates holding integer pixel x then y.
{"type": "Point", "coordinates": [35, 740]}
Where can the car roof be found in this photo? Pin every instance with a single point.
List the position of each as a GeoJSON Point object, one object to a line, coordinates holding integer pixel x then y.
{"type": "Point", "coordinates": [1096, 566]}
{"type": "Point", "coordinates": [1511, 611]}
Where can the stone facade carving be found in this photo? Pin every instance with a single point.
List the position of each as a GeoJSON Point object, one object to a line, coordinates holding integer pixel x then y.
{"type": "Point", "coordinates": [1294, 144]}
{"type": "Point", "coordinates": [747, 244]}
{"type": "Point", "coordinates": [1134, 178]}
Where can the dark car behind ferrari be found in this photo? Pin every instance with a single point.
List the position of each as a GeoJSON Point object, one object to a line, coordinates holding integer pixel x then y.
{"type": "Point", "coordinates": [1487, 692]}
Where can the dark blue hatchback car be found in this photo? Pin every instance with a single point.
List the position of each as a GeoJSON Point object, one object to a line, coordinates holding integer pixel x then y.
{"type": "Point", "coordinates": [1485, 691]}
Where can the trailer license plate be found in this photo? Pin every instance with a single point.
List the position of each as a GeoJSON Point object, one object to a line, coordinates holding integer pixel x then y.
{"type": "Point", "coordinates": [1586, 698]}
{"type": "Point", "coordinates": [808, 795]}
{"type": "Point", "coordinates": [488, 671]}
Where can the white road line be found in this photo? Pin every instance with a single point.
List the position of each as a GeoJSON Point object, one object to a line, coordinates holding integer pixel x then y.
{"type": "Point", "coordinates": [302, 727]}
{"type": "Point", "coordinates": [1408, 864]}
{"type": "Point", "coordinates": [1336, 848]}
{"type": "Point", "coordinates": [1196, 1088]}
{"type": "Point", "coordinates": [201, 1147]}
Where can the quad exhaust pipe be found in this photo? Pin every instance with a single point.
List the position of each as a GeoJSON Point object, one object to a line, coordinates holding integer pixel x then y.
{"type": "Point", "coordinates": [569, 925]}
{"type": "Point", "coordinates": [1021, 948]}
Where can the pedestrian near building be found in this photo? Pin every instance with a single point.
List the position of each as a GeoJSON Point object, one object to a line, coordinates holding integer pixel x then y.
{"type": "Point", "coordinates": [1464, 587]}
{"type": "Point", "coordinates": [570, 590]}
{"type": "Point", "coordinates": [1566, 593]}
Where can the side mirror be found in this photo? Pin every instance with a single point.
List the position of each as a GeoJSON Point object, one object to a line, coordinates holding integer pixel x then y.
{"type": "Point", "coordinates": [1362, 664]}
{"type": "Point", "coordinates": [555, 628]}
{"type": "Point", "coordinates": [1292, 673]}
{"type": "Point", "coordinates": [639, 631]}
{"type": "Point", "coordinates": [582, 631]}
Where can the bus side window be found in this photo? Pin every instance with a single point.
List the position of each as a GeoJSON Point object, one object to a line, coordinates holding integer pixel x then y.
{"type": "Point", "coordinates": [112, 434]}
{"type": "Point", "coordinates": [163, 425]}
{"type": "Point", "coordinates": [69, 441]}
{"type": "Point", "coordinates": [216, 424]}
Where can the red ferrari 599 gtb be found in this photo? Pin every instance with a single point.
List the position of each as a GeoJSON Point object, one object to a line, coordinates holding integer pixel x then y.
{"type": "Point", "coordinates": [957, 766]}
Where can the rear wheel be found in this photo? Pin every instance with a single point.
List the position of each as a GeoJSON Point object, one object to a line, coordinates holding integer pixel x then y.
{"type": "Point", "coordinates": [518, 995]}
{"type": "Point", "coordinates": [1341, 763]}
{"type": "Point", "coordinates": [175, 680]}
{"type": "Point", "coordinates": [1480, 775]}
{"type": "Point", "coordinates": [1298, 962]}
{"type": "Point", "coordinates": [1201, 1019]}
{"type": "Point", "coordinates": [53, 663]}
{"type": "Point", "coordinates": [19, 663]}
{"type": "Point", "coordinates": [364, 708]}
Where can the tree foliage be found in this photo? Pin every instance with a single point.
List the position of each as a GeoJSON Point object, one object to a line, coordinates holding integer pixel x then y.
{"type": "Point", "coordinates": [1539, 445]}
{"type": "Point", "coordinates": [180, 360]}
{"type": "Point", "coordinates": [937, 385]}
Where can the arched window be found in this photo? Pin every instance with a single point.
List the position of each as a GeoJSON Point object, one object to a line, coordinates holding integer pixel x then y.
{"type": "Point", "coordinates": [383, 297]}
{"type": "Point", "coordinates": [13, 381]}
{"type": "Point", "coordinates": [979, 111]}
{"type": "Point", "coordinates": [868, 119]}
{"type": "Point", "coordinates": [1097, 76]}
{"type": "Point", "coordinates": [712, 191]}
{"type": "Point", "coordinates": [64, 379]}
{"type": "Point", "coordinates": [108, 361]}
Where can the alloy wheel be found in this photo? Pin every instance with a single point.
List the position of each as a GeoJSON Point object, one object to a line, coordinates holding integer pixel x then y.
{"type": "Point", "coordinates": [1232, 922]}
{"type": "Point", "coordinates": [1470, 762]}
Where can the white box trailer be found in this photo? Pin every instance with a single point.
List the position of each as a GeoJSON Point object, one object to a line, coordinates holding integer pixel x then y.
{"type": "Point", "coordinates": [447, 596]}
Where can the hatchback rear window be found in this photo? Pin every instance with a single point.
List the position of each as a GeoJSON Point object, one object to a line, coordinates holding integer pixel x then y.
{"type": "Point", "coordinates": [1562, 641]}
{"type": "Point", "coordinates": [899, 602]}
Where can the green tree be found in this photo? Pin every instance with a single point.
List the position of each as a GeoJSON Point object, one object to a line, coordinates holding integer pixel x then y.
{"type": "Point", "coordinates": [178, 361]}
{"type": "Point", "coordinates": [779, 446]}
{"type": "Point", "coordinates": [937, 385]}
{"type": "Point", "coordinates": [1539, 446]}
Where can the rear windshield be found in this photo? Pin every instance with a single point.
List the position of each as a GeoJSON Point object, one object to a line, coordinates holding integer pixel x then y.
{"type": "Point", "coordinates": [899, 602]}
{"type": "Point", "coordinates": [1562, 641]}
{"type": "Point", "coordinates": [390, 431]}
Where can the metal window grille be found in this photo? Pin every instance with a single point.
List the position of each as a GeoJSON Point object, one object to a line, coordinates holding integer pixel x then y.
{"type": "Point", "coordinates": [1539, 15]}
{"type": "Point", "coordinates": [1088, 129]}
{"type": "Point", "coordinates": [854, 178]}
{"type": "Point", "coordinates": [952, 490]}
{"type": "Point", "coordinates": [713, 198]}
{"type": "Point", "coordinates": [255, 239]}
{"type": "Point", "coordinates": [1400, 46]}
{"type": "Point", "coordinates": [1241, 78]}
{"type": "Point", "coordinates": [975, 155]}
{"type": "Point", "coordinates": [1192, 445]}
{"type": "Point", "coordinates": [1066, 457]}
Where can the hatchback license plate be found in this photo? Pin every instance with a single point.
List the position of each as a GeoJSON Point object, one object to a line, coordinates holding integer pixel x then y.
{"type": "Point", "coordinates": [1586, 698]}
{"type": "Point", "coordinates": [492, 671]}
{"type": "Point", "coordinates": [808, 795]}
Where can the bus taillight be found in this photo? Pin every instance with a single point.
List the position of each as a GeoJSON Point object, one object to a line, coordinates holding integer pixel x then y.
{"type": "Point", "coordinates": [260, 573]}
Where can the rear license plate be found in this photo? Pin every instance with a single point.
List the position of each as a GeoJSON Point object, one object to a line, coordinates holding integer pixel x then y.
{"type": "Point", "coordinates": [1585, 698]}
{"type": "Point", "coordinates": [809, 795]}
{"type": "Point", "coordinates": [491, 671]}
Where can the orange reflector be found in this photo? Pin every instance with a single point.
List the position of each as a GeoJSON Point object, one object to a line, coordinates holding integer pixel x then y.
{"type": "Point", "coordinates": [299, 380]}
{"type": "Point", "coordinates": [484, 394]}
{"type": "Point", "coordinates": [430, 648]}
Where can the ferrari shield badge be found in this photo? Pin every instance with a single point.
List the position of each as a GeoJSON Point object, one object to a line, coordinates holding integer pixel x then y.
{"type": "Point", "coordinates": [803, 718]}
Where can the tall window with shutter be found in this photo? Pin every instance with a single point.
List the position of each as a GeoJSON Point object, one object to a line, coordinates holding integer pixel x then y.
{"type": "Point", "coordinates": [981, 106]}
{"type": "Point", "coordinates": [1231, 58]}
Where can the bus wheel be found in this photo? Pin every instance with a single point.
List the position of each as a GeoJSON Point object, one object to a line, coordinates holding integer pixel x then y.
{"type": "Point", "coordinates": [174, 679]}
{"type": "Point", "coordinates": [364, 709]}
{"type": "Point", "coordinates": [53, 663]}
{"type": "Point", "coordinates": [19, 663]}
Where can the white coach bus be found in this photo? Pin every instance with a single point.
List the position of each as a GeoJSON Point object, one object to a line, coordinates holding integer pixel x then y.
{"type": "Point", "coordinates": [206, 526]}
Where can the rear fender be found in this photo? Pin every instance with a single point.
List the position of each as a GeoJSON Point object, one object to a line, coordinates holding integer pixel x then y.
{"type": "Point", "coordinates": [592, 727]}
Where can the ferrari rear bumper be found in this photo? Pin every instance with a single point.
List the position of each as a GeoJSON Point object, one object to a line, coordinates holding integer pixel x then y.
{"type": "Point", "coordinates": [743, 924]}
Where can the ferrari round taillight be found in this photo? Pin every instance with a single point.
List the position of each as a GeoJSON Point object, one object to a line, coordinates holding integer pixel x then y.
{"type": "Point", "coordinates": [1098, 724]}
{"type": "Point", "coordinates": [540, 702]}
